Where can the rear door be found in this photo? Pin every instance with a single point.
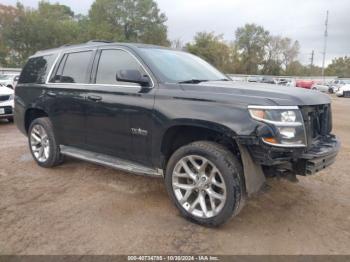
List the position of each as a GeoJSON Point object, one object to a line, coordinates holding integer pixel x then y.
{"type": "Point", "coordinates": [66, 94]}
{"type": "Point", "coordinates": [119, 114]}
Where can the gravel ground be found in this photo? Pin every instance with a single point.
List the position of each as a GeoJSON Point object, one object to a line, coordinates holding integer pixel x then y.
{"type": "Point", "coordinates": [81, 208]}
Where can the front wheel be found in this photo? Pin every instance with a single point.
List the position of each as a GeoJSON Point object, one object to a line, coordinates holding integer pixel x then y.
{"type": "Point", "coordinates": [42, 143]}
{"type": "Point", "coordinates": [204, 180]}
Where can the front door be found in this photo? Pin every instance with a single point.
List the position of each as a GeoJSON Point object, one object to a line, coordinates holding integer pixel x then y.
{"type": "Point", "coordinates": [119, 114]}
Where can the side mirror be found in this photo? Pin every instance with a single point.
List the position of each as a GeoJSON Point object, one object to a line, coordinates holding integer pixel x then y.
{"type": "Point", "coordinates": [132, 76]}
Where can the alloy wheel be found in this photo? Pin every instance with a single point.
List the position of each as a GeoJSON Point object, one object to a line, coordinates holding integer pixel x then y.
{"type": "Point", "coordinates": [199, 186]}
{"type": "Point", "coordinates": [40, 144]}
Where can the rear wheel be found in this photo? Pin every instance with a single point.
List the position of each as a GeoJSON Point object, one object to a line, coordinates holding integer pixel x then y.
{"type": "Point", "coordinates": [42, 143]}
{"type": "Point", "coordinates": [204, 180]}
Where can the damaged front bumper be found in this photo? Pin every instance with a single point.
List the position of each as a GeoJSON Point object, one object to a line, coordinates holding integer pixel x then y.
{"type": "Point", "coordinates": [300, 161]}
{"type": "Point", "coordinates": [319, 156]}
{"type": "Point", "coordinates": [261, 161]}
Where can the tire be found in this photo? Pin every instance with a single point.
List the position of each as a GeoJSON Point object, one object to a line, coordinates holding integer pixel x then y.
{"type": "Point", "coordinates": [230, 176]}
{"type": "Point", "coordinates": [51, 155]}
{"type": "Point", "coordinates": [10, 119]}
{"type": "Point", "coordinates": [330, 90]}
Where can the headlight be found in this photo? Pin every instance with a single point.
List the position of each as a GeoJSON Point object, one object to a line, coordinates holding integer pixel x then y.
{"type": "Point", "coordinates": [12, 97]}
{"type": "Point", "coordinates": [287, 121]}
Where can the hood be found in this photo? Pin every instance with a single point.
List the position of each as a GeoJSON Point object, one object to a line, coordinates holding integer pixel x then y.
{"type": "Point", "coordinates": [257, 93]}
{"type": "Point", "coordinates": [4, 91]}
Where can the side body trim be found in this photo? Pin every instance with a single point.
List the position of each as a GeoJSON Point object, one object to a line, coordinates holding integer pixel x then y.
{"type": "Point", "coordinates": [110, 161]}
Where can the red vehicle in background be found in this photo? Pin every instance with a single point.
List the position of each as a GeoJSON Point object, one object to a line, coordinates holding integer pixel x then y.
{"type": "Point", "coordinates": [305, 83]}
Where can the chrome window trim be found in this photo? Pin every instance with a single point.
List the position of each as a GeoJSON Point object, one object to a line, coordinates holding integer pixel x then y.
{"type": "Point", "coordinates": [60, 55]}
{"type": "Point", "coordinates": [59, 59]}
{"type": "Point", "coordinates": [132, 55]}
{"type": "Point", "coordinates": [84, 84]}
{"type": "Point", "coordinates": [52, 67]}
{"type": "Point", "coordinates": [274, 107]}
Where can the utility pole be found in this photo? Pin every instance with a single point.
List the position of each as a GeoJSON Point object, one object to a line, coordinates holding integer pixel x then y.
{"type": "Point", "coordinates": [325, 46]}
{"type": "Point", "coordinates": [312, 61]}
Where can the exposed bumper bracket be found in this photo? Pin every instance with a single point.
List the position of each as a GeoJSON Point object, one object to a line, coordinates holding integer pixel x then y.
{"type": "Point", "coordinates": [320, 156]}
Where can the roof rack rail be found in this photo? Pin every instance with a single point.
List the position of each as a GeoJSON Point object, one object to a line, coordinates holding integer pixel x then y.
{"type": "Point", "coordinates": [99, 41]}
{"type": "Point", "coordinates": [65, 45]}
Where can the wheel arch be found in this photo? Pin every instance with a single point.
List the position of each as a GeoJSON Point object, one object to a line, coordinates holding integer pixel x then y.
{"type": "Point", "coordinates": [31, 114]}
{"type": "Point", "coordinates": [185, 131]}
{"type": "Point", "coordinates": [254, 178]}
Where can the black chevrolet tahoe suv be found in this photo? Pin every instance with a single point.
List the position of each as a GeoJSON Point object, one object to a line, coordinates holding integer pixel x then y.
{"type": "Point", "coordinates": [161, 112]}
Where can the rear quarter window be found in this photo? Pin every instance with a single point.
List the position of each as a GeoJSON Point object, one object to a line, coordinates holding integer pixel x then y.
{"type": "Point", "coordinates": [37, 69]}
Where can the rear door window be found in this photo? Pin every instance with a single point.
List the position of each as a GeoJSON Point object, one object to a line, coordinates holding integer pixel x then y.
{"type": "Point", "coordinates": [74, 68]}
{"type": "Point", "coordinates": [37, 69]}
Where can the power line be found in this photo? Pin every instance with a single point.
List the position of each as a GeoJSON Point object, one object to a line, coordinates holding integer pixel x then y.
{"type": "Point", "coordinates": [325, 45]}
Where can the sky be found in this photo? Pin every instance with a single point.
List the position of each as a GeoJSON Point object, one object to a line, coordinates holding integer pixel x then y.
{"type": "Point", "coordinates": [302, 20]}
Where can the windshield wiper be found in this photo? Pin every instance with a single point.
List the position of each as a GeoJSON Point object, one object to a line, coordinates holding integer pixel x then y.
{"type": "Point", "coordinates": [192, 81]}
{"type": "Point", "coordinates": [197, 81]}
{"type": "Point", "coordinates": [222, 79]}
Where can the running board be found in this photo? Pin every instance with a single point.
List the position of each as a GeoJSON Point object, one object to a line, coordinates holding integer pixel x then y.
{"type": "Point", "coordinates": [109, 161]}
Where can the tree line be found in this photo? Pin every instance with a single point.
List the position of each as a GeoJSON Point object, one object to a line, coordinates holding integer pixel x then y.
{"type": "Point", "coordinates": [253, 49]}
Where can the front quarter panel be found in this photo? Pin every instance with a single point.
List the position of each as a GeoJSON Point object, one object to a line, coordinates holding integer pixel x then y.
{"type": "Point", "coordinates": [176, 107]}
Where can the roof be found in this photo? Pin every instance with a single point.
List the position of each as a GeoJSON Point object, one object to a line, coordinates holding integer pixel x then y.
{"type": "Point", "coordinates": [95, 43]}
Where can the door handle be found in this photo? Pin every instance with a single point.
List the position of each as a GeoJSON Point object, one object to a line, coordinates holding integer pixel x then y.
{"type": "Point", "coordinates": [95, 98]}
{"type": "Point", "coordinates": [52, 94]}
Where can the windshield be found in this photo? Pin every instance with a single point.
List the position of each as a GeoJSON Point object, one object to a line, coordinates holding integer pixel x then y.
{"type": "Point", "coordinates": [4, 77]}
{"type": "Point", "coordinates": [177, 66]}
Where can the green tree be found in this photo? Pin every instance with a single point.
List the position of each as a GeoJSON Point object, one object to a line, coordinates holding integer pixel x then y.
{"type": "Point", "coordinates": [290, 51]}
{"type": "Point", "coordinates": [313, 70]}
{"type": "Point", "coordinates": [272, 62]}
{"type": "Point", "coordinates": [128, 20]}
{"type": "Point", "coordinates": [25, 31]}
{"type": "Point", "coordinates": [214, 50]}
{"type": "Point", "coordinates": [280, 53]}
{"type": "Point", "coordinates": [251, 42]}
{"type": "Point", "coordinates": [295, 68]}
{"type": "Point", "coordinates": [7, 17]}
{"type": "Point", "coordinates": [177, 44]}
{"type": "Point", "coordinates": [339, 67]}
